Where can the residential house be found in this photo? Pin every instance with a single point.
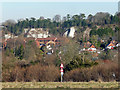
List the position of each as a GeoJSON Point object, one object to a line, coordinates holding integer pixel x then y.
{"type": "Point", "coordinates": [110, 46]}
{"type": "Point", "coordinates": [118, 44]}
{"type": "Point", "coordinates": [87, 44]}
{"type": "Point", "coordinates": [9, 36]}
{"type": "Point", "coordinates": [36, 33]}
{"type": "Point", "coordinates": [92, 48]}
{"type": "Point", "coordinates": [47, 41]}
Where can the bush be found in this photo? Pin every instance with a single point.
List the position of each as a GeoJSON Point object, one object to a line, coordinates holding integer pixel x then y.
{"type": "Point", "coordinates": [104, 72]}
{"type": "Point", "coordinates": [16, 74]}
{"type": "Point", "coordinates": [36, 72]}
{"type": "Point", "coordinates": [79, 62]}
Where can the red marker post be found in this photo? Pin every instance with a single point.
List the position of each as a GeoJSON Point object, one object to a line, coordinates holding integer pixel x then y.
{"type": "Point", "coordinates": [61, 66]}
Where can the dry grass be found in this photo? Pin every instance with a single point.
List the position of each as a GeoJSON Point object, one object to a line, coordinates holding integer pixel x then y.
{"type": "Point", "coordinates": [59, 85]}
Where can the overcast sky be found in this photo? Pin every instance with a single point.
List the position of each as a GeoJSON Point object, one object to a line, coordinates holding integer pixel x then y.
{"type": "Point", "coordinates": [18, 10]}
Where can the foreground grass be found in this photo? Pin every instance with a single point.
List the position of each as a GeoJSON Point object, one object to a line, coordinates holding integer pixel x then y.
{"type": "Point", "coordinates": [59, 85]}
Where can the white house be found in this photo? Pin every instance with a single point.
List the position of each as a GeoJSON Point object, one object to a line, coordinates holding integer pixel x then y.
{"type": "Point", "coordinates": [110, 46]}
{"type": "Point", "coordinates": [118, 45]}
{"type": "Point", "coordinates": [37, 33]}
{"type": "Point", "coordinates": [92, 49]}
{"type": "Point", "coordinates": [8, 36]}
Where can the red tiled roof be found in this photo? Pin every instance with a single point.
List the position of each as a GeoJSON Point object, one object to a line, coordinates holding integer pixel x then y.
{"type": "Point", "coordinates": [92, 46]}
{"type": "Point", "coordinates": [111, 44]}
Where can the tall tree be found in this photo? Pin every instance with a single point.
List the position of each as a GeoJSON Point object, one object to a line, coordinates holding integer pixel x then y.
{"type": "Point", "coordinates": [68, 16]}
{"type": "Point", "coordinates": [57, 18]}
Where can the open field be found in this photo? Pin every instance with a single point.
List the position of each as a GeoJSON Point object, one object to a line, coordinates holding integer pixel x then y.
{"type": "Point", "coordinates": [60, 85]}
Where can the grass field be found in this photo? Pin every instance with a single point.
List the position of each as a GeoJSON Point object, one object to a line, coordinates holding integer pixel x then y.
{"type": "Point", "coordinates": [59, 85]}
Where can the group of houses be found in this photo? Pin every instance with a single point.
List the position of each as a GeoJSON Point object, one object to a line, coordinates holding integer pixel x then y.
{"type": "Point", "coordinates": [112, 45]}
{"type": "Point", "coordinates": [49, 42]}
{"type": "Point", "coordinates": [36, 33]}
{"type": "Point", "coordinates": [91, 48]}
{"type": "Point", "coordinates": [43, 38]}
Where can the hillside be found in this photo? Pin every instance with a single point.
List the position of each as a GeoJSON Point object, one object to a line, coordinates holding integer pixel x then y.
{"type": "Point", "coordinates": [33, 49]}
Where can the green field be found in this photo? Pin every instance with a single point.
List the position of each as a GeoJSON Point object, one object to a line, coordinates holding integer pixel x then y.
{"type": "Point", "coordinates": [60, 85]}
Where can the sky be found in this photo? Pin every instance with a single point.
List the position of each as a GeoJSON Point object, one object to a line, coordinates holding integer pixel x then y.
{"type": "Point", "coordinates": [21, 10]}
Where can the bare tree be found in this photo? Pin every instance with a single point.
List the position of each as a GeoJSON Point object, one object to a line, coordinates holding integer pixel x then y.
{"type": "Point", "coordinates": [57, 18]}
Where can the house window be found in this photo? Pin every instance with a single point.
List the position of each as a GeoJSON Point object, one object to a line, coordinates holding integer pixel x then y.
{"type": "Point", "coordinates": [41, 40]}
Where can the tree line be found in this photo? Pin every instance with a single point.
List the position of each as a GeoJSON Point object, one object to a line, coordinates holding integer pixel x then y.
{"type": "Point", "coordinates": [58, 25]}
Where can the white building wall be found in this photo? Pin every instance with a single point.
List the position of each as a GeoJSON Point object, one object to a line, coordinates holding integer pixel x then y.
{"type": "Point", "coordinates": [37, 33]}
{"type": "Point", "coordinates": [7, 36]}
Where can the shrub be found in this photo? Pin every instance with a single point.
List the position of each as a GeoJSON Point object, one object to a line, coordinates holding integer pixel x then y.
{"type": "Point", "coordinates": [79, 62]}
{"type": "Point", "coordinates": [32, 73]}
{"type": "Point", "coordinates": [104, 72]}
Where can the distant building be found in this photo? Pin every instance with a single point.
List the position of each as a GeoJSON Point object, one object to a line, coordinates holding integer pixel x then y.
{"type": "Point", "coordinates": [47, 41]}
{"type": "Point", "coordinates": [9, 36]}
{"type": "Point", "coordinates": [36, 33]}
{"type": "Point", "coordinates": [110, 46]}
{"type": "Point", "coordinates": [87, 44]}
{"type": "Point", "coordinates": [92, 48]}
{"type": "Point", "coordinates": [118, 44]}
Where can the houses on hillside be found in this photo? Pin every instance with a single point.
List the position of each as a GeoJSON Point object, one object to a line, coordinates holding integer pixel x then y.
{"type": "Point", "coordinates": [43, 38]}
{"type": "Point", "coordinates": [89, 47]}
{"type": "Point", "coordinates": [87, 44]}
{"type": "Point", "coordinates": [110, 46]}
{"type": "Point", "coordinates": [92, 48]}
{"type": "Point", "coordinates": [9, 36]}
{"type": "Point", "coordinates": [118, 45]}
{"type": "Point", "coordinates": [36, 33]}
{"type": "Point", "coordinates": [47, 41]}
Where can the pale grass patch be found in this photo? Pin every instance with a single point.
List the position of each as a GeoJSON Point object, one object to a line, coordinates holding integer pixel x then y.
{"type": "Point", "coordinates": [91, 81]}
{"type": "Point", "coordinates": [90, 84]}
